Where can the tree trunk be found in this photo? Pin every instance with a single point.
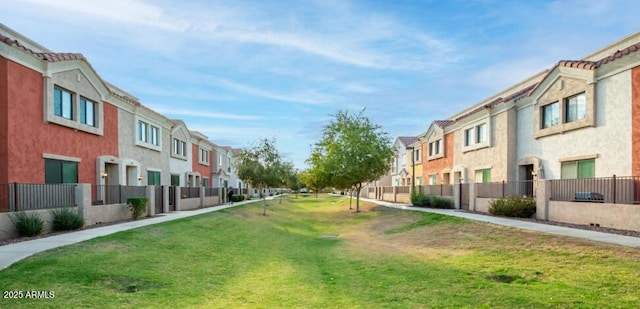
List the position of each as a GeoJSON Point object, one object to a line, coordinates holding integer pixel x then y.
{"type": "Point", "coordinates": [358, 188]}
{"type": "Point", "coordinates": [264, 199]}
{"type": "Point", "coordinates": [350, 198]}
{"type": "Point", "coordinates": [280, 202]}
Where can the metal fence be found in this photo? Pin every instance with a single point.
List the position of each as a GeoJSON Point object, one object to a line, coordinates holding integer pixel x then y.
{"type": "Point", "coordinates": [387, 189]}
{"type": "Point", "coordinates": [211, 191]}
{"type": "Point", "coordinates": [115, 194]}
{"type": "Point", "coordinates": [189, 192]}
{"type": "Point", "coordinates": [20, 196]}
{"type": "Point", "coordinates": [403, 189]}
{"type": "Point", "coordinates": [437, 190]}
{"type": "Point", "coordinates": [620, 190]}
{"type": "Point", "coordinates": [505, 189]}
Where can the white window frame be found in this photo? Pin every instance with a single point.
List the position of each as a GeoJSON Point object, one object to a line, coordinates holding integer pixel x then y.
{"type": "Point", "coordinates": [147, 140]}
{"type": "Point", "coordinates": [203, 156]}
{"type": "Point", "coordinates": [72, 119]}
{"type": "Point", "coordinates": [179, 149]}
{"type": "Point", "coordinates": [471, 139]}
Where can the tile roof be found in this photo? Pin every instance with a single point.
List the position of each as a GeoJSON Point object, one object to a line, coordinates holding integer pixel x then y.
{"type": "Point", "coordinates": [444, 123]}
{"type": "Point", "coordinates": [512, 97]}
{"type": "Point", "coordinates": [408, 140]}
{"type": "Point", "coordinates": [48, 56]}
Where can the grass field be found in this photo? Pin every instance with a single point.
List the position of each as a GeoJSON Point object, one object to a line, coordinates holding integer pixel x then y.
{"type": "Point", "coordinates": [316, 253]}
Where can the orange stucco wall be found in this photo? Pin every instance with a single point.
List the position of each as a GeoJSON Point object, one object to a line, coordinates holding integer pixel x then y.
{"type": "Point", "coordinates": [204, 170]}
{"type": "Point", "coordinates": [436, 166]}
{"type": "Point", "coordinates": [29, 137]}
{"type": "Point", "coordinates": [635, 110]}
{"type": "Point", "coordinates": [4, 121]}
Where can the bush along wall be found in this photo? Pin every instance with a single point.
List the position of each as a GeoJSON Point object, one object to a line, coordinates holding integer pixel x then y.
{"type": "Point", "coordinates": [66, 219]}
{"type": "Point", "coordinates": [513, 206]}
{"type": "Point", "coordinates": [137, 206]}
{"type": "Point", "coordinates": [421, 199]}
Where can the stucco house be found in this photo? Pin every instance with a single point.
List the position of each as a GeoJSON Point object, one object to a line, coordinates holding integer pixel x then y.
{"type": "Point", "coordinates": [400, 166]}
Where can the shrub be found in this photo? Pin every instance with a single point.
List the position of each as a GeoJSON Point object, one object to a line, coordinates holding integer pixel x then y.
{"type": "Point", "coordinates": [237, 198]}
{"type": "Point", "coordinates": [420, 199]}
{"type": "Point", "coordinates": [441, 202]}
{"type": "Point", "coordinates": [513, 206]}
{"type": "Point", "coordinates": [65, 219]}
{"type": "Point", "coordinates": [27, 224]}
{"type": "Point", "coordinates": [137, 206]}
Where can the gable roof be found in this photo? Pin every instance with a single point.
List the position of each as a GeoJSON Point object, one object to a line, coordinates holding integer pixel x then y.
{"type": "Point", "coordinates": [407, 140]}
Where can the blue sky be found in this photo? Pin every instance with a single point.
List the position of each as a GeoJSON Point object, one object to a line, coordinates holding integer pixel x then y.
{"type": "Point", "coordinates": [238, 71]}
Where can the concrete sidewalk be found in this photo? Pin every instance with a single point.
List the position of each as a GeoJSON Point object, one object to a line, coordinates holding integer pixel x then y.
{"type": "Point", "coordinates": [12, 253]}
{"type": "Point", "coordinates": [628, 241]}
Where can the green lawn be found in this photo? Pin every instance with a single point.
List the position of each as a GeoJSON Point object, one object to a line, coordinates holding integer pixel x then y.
{"type": "Point", "coordinates": [316, 253]}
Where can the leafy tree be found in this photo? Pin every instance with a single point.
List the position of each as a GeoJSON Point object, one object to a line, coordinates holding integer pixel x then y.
{"type": "Point", "coordinates": [352, 151]}
{"type": "Point", "coordinates": [260, 166]}
{"type": "Point", "coordinates": [291, 177]}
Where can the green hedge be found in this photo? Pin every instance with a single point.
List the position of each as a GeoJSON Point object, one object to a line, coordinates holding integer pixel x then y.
{"type": "Point", "coordinates": [513, 206]}
{"type": "Point", "coordinates": [421, 199]}
{"type": "Point", "coordinates": [237, 198]}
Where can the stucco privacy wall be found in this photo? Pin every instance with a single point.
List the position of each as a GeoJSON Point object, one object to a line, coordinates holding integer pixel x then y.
{"type": "Point", "coordinates": [618, 216]}
{"type": "Point", "coordinates": [7, 231]}
{"type": "Point", "coordinates": [609, 140]}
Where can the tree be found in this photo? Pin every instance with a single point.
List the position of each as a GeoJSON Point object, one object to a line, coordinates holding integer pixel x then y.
{"type": "Point", "coordinates": [352, 151]}
{"type": "Point", "coordinates": [260, 166]}
{"type": "Point", "coordinates": [291, 177]}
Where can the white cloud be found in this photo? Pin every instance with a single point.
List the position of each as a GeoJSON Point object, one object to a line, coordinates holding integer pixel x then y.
{"type": "Point", "coordinates": [204, 114]}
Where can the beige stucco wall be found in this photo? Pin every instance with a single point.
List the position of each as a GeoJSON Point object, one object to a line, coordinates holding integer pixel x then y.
{"type": "Point", "coordinates": [96, 214]}
{"type": "Point", "coordinates": [618, 216]}
{"type": "Point", "coordinates": [482, 204]}
{"type": "Point", "coordinates": [190, 203]}
{"type": "Point", "coordinates": [7, 228]}
{"type": "Point", "coordinates": [499, 156]}
{"type": "Point", "coordinates": [609, 141]}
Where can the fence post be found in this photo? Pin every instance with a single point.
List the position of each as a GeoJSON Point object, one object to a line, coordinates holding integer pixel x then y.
{"type": "Point", "coordinates": [150, 192]}
{"type": "Point", "coordinates": [503, 185]}
{"type": "Point", "coordinates": [83, 202]}
{"type": "Point", "coordinates": [15, 197]}
{"type": "Point", "coordinates": [472, 196]}
{"type": "Point", "coordinates": [202, 196]}
{"type": "Point", "coordinates": [457, 196]}
{"type": "Point", "coordinates": [613, 190]}
{"type": "Point", "coordinates": [165, 198]}
{"type": "Point", "coordinates": [177, 197]}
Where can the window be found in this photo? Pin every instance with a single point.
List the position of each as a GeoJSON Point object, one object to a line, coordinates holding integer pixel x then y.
{"type": "Point", "coordinates": [58, 171]}
{"type": "Point", "coordinates": [204, 156]}
{"type": "Point", "coordinates": [483, 176]}
{"type": "Point", "coordinates": [550, 115]}
{"type": "Point", "coordinates": [143, 129]}
{"type": "Point", "coordinates": [575, 107]}
{"type": "Point", "coordinates": [578, 169]}
{"type": "Point", "coordinates": [468, 133]}
{"type": "Point", "coordinates": [480, 133]}
{"type": "Point", "coordinates": [175, 180]}
{"type": "Point", "coordinates": [87, 112]}
{"type": "Point", "coordinates": [435, 148]}
{"type": "Point", "coordinates": [153, 178]}
{"type": "Point", "coordinates": [153, 135]}
{"type": "Point", "coordinates": [205, 182]}
{"type": "Point", "coordinates": [419, 181]}
{"type": "Point", "coordinates": [179, 147]}
{"type": "Point", "coordinates": [62, 103]}
{"type": "Point", "coordinates": [417, 154]}
{"type": "Point", "coordinates": [433, 179]}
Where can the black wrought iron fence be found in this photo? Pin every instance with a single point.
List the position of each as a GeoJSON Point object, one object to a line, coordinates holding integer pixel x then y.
{"type": "Point", "coordinates": [20, 196]}
{"type": "Point", "coordinates": [505, 189]}
{"type": "Point", "coordinates": [620, 190]}
{"type": "Point", "coordinates": [115, 194]}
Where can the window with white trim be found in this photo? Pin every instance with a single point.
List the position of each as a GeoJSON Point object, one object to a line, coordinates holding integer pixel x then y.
{"type": "Point", "coordinates": [63, 103]}
{"type": "Point", "coordinates": [179, 148]}
{"type": "Point", "coordinates": [87, 112]}
{"type": "Point", "coordinates": [203, 157]}
{"type": "Point", "coordinates": [550, 115]}
{"type": "Point", "coordinates": [575, 107]}
{"type": "Point", "coordinates": [476, 136]}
